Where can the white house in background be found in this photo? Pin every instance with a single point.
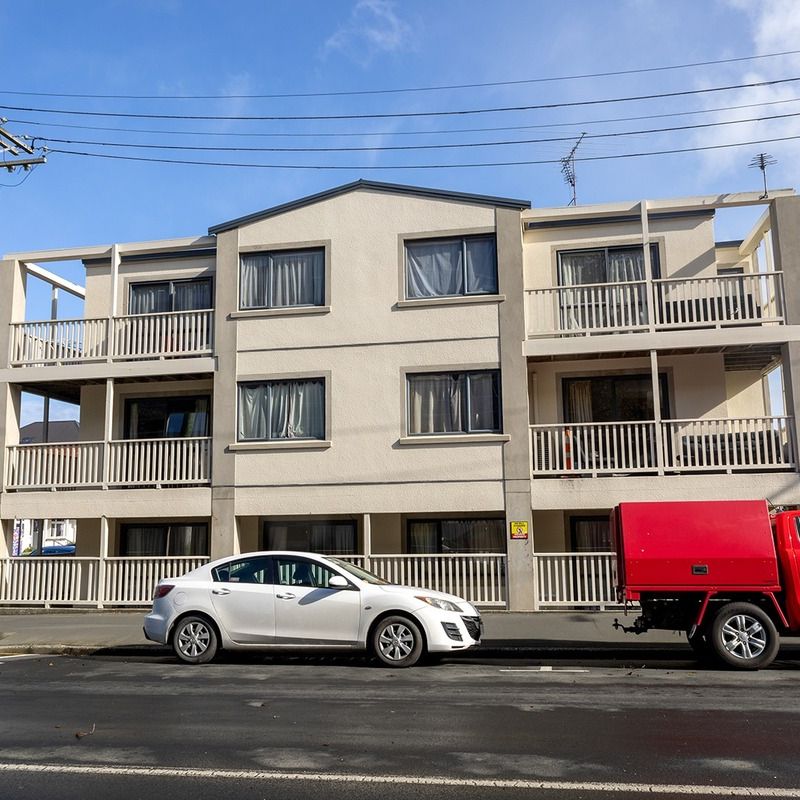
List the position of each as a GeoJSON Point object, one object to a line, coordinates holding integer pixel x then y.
{"type": "Point", "coordinates": [450, 389]}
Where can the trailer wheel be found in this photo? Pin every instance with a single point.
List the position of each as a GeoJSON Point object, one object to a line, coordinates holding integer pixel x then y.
{"type": "Point", "coordinates": [743, 637]}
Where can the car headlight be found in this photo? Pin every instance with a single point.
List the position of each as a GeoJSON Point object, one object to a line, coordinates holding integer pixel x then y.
{"type": "Point", "coordinates": [437, 602]}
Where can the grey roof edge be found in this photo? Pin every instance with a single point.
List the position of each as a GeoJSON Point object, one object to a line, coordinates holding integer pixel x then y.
{"type": "Point", "coordinates": [374, 186]}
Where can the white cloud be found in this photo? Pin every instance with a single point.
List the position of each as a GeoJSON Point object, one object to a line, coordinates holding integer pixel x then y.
{"type": "Point", "coordinates": [774, 27]}
{"type": "Point", "coordinates": [373, 28]}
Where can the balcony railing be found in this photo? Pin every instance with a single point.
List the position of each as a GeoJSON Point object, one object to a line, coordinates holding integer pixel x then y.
{"type": "Point", "coordinates": [141, 336]}
{"type": "Point", "coordinates": [666, 303]}
{"type": "Point", "coordinates": [131, 462]}
{"type": "Point", "coordinates": [707, 445]}
{"type": "Point", "coordinates": [576, 579]}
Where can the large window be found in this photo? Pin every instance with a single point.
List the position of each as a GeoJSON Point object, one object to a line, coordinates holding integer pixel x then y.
{"type": "Point", "coordinates": [590, 534]}
{"type": "Point", "coordinates": [454, 402]}
{"type": "Point", "coordinates": [164, 540]}
{"type": "Point", "coordinates": [167, 417]}
{"type": "Point", "coordinates": [451, 267]}
{"type": "Point", "coordinates": [275, 410]}
{"type": "Point", "coordinates": [456, 536]}
{"type": "Point", "coordinates": [163, 296]}
{"type": "Point", "coordinates": [329, 537]}
{"type": "Point", "coordinates": [613, 398]}
{"type": "Point", "coordinates": [605, 265]}
{"type": "Point", "coordinates": [282, 279]}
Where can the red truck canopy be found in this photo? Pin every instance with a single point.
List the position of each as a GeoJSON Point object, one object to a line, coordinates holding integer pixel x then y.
{"type": "Point", "coordinates": [695, 546]}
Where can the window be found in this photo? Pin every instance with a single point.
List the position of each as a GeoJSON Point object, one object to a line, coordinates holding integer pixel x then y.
{"type": "Point", "coordinates": [451, 267]}
{"type": "Point", "coordinates": [282, 279]}
{"type": "Point", "coordinates": [605, 265]}
{"type": "Point", "coordinates": [329, 537]}
{"type": "Point", "coordinates": [165, 296]}
{"type": "Point", "coordinates": [590, 534]}
{"type": "Point", "coordinates": [167, 417]}
{"type": "Point", "coordinates": [456, 536]}
{"type": "Point", "coordinates": [300, 572]}
{"type": "Point", "coordinates": [454, 402]}
{"type": "Point", "coordinates": [164, 540]}
{"type": "Point", "coordinates": [246, 570]}
{"type": "Point", "coordinates": [613, 398]}
{"type": "Point", "coordinates": [275, 410]}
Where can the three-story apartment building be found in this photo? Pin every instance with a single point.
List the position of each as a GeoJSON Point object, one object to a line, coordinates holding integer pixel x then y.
{"type": "Point", "coordinates": [449, 389]}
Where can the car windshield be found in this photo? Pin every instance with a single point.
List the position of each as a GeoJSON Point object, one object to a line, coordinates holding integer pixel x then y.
{"type": "Point", "coordinates": [362, 574]}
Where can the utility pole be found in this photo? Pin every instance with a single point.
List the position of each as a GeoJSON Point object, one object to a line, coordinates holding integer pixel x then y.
{"type": "Point", "coordinates": [13, 145]}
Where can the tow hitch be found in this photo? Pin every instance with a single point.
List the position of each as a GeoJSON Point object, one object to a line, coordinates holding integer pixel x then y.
{"type": "Point", "coordinates": [639, 626]}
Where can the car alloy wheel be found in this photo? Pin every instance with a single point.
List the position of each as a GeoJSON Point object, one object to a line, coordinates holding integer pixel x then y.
{"type": "Point", "coordinates": [744, 637]}
{"type": "Point", "coordinates": [194, 640]}
{"type": "Point", "coordinates": [397, 642]}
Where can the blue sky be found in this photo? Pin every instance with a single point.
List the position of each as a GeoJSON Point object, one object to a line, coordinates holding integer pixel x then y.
{"type": "Point", "coordinates": [195, 47]}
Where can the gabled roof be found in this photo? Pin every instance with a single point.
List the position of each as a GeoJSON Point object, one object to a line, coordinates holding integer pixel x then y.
{"type": "Point", "coordinates": [373, 186]}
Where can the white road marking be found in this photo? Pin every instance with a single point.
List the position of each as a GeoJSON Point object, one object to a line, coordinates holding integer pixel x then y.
{"type": "Point", "coordinates": [328, 777]}
{"type": "Point", "coordinates": [543, 669]}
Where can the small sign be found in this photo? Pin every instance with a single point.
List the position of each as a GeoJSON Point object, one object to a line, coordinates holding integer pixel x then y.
{"type": "Point", "coordinates": [519, 530]}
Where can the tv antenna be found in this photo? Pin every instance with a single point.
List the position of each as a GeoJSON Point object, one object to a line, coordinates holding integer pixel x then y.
{"type": "Point", "coordinates": [762, 161]}
{"type": "Point", "coordinates": [568, 170]}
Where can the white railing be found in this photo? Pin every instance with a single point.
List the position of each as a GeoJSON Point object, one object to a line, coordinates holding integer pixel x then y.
{"type": "Point", "coordinates": [477, 577]}
{"type": "Point", "coordinates": [155, 462]}
{"type": "Point", "coordinates": [34, 580]}
{"type": "Point", "coordinates": [593, 448]}
{"type": "Point", "coordinates": [576, 579]}
{"type": "Point", "coordinates": [54, 466]}
{"type": "Point", "coordinates": [587, 308]}
{"type": "Point", "coordinates": [178, 333]}
{"type": "Point", "coordinates": [746, 443]}
{"type": "Point", "coordinates": [718, 300]}
{"type": "Point", "coordinates": [131, 581]}
{"type": "Point", "coordinates": [712, 301]}
{"type": "Point", "coordinates": [687, 445]}
{"type": "Point", "coordinates": [58, 341]}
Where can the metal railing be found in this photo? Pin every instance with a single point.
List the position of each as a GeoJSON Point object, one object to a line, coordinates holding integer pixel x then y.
{"type": "Point", "coordinates": [169, 335]}
{"type": "Point", "coordinates": [576, 579]}
{"type": "Point", "coordinates": [706, 445]}
{"type": "Point", "coordinates": [666, 303]}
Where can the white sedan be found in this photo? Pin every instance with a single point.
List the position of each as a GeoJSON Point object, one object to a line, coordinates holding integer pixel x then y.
{"type": "Point", "coordinates": [303, 600]}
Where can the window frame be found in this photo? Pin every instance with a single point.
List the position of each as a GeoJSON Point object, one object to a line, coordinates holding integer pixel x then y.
{"type": "Point", "coordinates": [126, 526]}
{"type": "Point", "coordinates": [269, 253]}
{"type": "Point", "coordinates": [449, 239]}
{"type": "Point", "coordinates": [171, 283]}
{"type": "Point", "coordinates": [655, 259]}
{"type": "Point", "coordinates": [438, 522]}
{"type": "Point", "coordinates": [495, 372]}
{"type": "Point", "coordinates": [294, 379]}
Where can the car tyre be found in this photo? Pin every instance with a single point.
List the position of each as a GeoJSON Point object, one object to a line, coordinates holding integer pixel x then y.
{"type": "Point", "coordinates": [194, 640]}
{"type": "Point", "coordinates": [743, 636]}
{"type": "Point", "coordinates": [397, 642]}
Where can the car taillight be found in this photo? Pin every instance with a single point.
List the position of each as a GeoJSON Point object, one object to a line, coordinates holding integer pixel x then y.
{"type": "Point", "coordinates": [162, 590]}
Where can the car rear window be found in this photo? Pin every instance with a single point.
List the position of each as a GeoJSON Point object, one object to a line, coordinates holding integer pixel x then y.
{"type": "Point", "coordinates": [245, 570]}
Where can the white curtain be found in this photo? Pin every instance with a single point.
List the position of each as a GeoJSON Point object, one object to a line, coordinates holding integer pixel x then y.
{"type": "Point", "coordinates": [580, 401]}
{"type": "Point", "coordinates": [423, 537]}
{"type": "Point", "coordinates": [579, 308]}
{"type": "Point", "coordinates": [329, 538]}
{"type": "Point", "coordinates": [149, 298]}
{"type": "Point", "coordinates": [282, 410]}
{"type": "Point", "coordinates": [282, 279]}
{"type": "Point", "coordinates": [437, 403]}
{"type": "Point", "coordinates": [145, 541]}
{"type": "Point", "coordinates": [191, 295]}
{"type": "Point", "coordinates": [591, 535]}
{"type": "Point", "coordinates": [481, 266]}
{"type": "Point", "coordinates": [484, 402]}
{"type": "Point", "coordinates": [188, 540]}
{"type": "Point", "coordinates": [457, 536]}
{"type": "Point", "coordinates": [435, 269]}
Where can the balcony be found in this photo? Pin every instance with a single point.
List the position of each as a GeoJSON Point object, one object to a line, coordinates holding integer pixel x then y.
{"type": "Point", "coordinates": [142, 336]}
{"type": "Point", "coordinates": [121, 463]}
{"type": "Point", "coordinates": [662, 304]}
{"type": "Point", "coordinates": [592, 449]}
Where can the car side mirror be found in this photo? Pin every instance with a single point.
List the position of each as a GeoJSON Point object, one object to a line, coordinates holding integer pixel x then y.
{"type": "Point", "coordinates": [338, 582]}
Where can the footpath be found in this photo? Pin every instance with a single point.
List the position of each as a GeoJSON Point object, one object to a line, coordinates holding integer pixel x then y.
{"type": "Point", "coordinates": [505, 633]}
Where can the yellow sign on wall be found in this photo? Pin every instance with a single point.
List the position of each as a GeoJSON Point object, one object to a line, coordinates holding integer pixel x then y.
{"type": "Point", "coordinates": [519, 530]}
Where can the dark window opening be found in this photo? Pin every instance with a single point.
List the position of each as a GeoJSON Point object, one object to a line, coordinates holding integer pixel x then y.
{"type": "Point", "coordinates": [456, 536]}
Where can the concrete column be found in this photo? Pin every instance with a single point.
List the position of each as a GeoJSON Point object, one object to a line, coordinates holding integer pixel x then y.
{"type": "Point", "coordinates": [224, 537]}
{"type": "Point", "coordinates": [108, 430]}
{"type": "Point", "coordinates": [790, 361]}
{"type": "Point", "coordinates": [521, 573]}
{"type": "Point", "coordinates": [657, 410]}
{"type": "Point", "coordinates": [784, 215]}
{"type": "Point", "coordinates": [366, 525]}
{"type": "Point", "coordinates": [648, 266]}
{"type": "Point", "coordinates": [103, 568]}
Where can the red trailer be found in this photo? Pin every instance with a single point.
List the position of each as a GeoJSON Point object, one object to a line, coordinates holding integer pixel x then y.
{"type": "Point", "coordinates": [725, 572]}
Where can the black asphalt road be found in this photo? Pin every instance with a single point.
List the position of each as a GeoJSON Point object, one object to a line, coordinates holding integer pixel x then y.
{"type": "Point", "coordinates": [577, 728]}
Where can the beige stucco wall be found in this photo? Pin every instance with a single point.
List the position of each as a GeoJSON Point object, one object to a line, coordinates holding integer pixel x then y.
{"type": "Point", "coordinates": [745, 392]}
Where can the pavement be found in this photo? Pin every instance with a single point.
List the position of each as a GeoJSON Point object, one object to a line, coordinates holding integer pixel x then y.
{"type": "Point", "coordinates": [92, 630]}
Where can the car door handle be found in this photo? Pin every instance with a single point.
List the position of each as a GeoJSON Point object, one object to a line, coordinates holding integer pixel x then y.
{"type": "Point", "coordinates": [285, 596]}
{"type": "Point", "coordinates": [220, 591]}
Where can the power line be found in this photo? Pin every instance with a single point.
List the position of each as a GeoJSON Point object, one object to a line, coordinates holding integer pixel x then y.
{"type": "Point", "coordinates": [388, 148]}
{"type": "Point", "coordinates": [371, 167]}
{"type": "Point", "coordinates": [364, 134]}
{"type": "Point", "coordinates": [403, 90]}
{"type": "Point", "coordinates": [401, 114]}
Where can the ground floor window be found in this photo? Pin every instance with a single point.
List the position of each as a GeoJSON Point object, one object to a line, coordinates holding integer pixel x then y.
{"type": "Point", "coordinates": [164, 540]}
{"type": "Point", "coordinates": [456, 536]}
{"type": "Point", "coordinates": [328, 537]}
{"type": "Point", "coordinates": [590, 534]}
